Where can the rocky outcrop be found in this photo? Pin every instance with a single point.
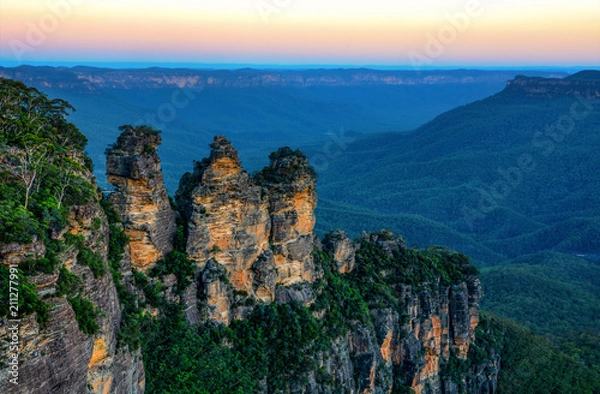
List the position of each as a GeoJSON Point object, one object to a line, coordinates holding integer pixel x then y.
{"type": "Point", "coordinates": [412, 348]}
{"type": "Point", "coordinates": [341, 247]}
{"type": "Point", "coordinates": [415, 344]}
{"type": "Point", "coordinates": [133, 167]}
{"type": "Point", "coordinates": [585, 84]}
{"type": "Point", "coordinates": [59, 357]}
{"type": "Point", "coordinates": [228, 228]}
{"type": "Point", "coordinates": [290, 185]}
{"type": "Point", "coordinates": [259, 230]}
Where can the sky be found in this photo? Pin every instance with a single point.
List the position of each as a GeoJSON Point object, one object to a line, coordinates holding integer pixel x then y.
{"type": "Point", "coordinates": [402, 33]}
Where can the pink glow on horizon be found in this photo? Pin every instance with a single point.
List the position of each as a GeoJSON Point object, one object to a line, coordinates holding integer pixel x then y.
{"type": "Point", "coordinates": [564, 34]}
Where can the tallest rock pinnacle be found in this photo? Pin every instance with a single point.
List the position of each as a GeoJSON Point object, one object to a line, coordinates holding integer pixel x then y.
{"type": "Point", "coordinates": [248, 234]}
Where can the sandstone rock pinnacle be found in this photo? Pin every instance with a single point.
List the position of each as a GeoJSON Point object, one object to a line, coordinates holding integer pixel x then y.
{"type": "Point", "coordinates": [133, 167]}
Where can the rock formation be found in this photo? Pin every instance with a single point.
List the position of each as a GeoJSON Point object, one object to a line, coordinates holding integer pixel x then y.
{"type": "Point", "coordinates": [434, 324]}
{"type": "Point", "coordinates": [291, 188]}
{"type": "Point", "coordinates": [258, 229]}
{"type": "Point", "coordinates": [341, 247]}
{"type": "Point", "coordinates": [133, 167]}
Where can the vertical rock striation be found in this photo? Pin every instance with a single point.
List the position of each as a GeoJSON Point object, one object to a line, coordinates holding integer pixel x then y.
{"type": "Point", "coordinates": [60, 357]}
{"type": "Point", "coordinates": [247, 235]}
{"type": "Point", "coordinates": [290, 184]}
{"type": "Point", "coordinates": [133, 167]}
{"type": "Point", "coordinates": [414, 343]}
{"type": "Point", "coordinates": [228, 230]}
{"type": "Point", "coordinates": [342, 249]}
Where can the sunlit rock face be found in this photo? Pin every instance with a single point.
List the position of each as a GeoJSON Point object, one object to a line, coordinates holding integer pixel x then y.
{"type": "Point", "coordinates": [291, 186]}
{"type": "Point", "coordinates": [258, 229]}
{"type": "Point", "coordinates": [141, 199]}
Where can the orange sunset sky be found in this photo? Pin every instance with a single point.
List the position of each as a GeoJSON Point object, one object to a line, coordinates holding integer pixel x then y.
{"type": "Point", "coordinates": [433, 33]}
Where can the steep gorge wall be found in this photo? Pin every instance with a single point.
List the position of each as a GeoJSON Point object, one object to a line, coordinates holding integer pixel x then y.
{"type": "Point", "coordinates": [414, 344]}
{"type": "Point", "coordinates": [60, 357]}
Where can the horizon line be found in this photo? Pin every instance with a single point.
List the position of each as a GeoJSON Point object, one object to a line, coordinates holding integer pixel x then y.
{"type": "Point", "coordinates": [308, 66]}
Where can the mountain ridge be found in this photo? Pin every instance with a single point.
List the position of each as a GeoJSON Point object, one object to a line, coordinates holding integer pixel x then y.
{"type": "Point", "coordinates": [506, 140]}
{"type": "Point", "coordinates": [93, 78]}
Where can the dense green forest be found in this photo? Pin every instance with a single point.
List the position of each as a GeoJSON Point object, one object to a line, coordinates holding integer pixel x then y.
{"type": "Point", "coordinates": [509, 175]}
{"type": "Point", "coordinates": [41, 175]}
{"type": "Point", "coordinates": [284, 342]}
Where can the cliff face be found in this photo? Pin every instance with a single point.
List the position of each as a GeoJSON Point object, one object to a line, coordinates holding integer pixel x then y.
{"type": "Point", "coordinates": [415, 344]}
{"type": "Point", "coordinates": [290, 184]}
{"type": "Point", "coordinates": [58, 357]}
{"type": "Point", "coordinates": [133, 167]}
{"type": "Point", "coordinates": [246, 238]}
{"type": "Point", "coordinates": [586, 84]}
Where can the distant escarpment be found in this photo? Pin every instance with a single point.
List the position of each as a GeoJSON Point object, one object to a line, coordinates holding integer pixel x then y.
{"type": "Point", "coordinates": [584, 83]}
{"type": "Point", "coordinates": [92, 80]}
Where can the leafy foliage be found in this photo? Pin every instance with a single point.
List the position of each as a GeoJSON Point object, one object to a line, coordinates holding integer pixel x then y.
{"type": "Point", "coordinates": [85, 314]}
{"type": "Point", "coordinates": [182, 359]}
{"type": "Point", "coordinates": [280, 344]}
{"type": "Point", "coordinates": [67, 283]}
{"type": "Point", "coordinates": [532, 364]}
{"type": "Point", "coordinates": [41, 169]}
{"type": "Point", "coordinates": [550, 293]}
{"type": "Point", "coordinates": [43, 172]}
{"type": "Point", "coordinates": [86, 256]}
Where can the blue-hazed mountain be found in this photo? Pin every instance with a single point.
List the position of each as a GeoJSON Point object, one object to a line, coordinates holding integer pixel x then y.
{"type": "Point", "coordinates": [259, 110]}
{"type": "Point", "coordinates": [512, 174]}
